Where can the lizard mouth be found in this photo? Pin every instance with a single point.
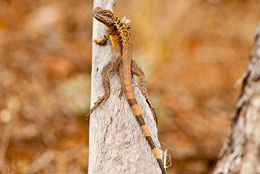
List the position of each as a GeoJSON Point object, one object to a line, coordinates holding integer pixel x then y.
{"type": "Point", "coordinates": [104, 19]}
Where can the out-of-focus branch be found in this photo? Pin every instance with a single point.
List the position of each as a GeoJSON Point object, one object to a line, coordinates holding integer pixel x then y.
{"type": "Point", "coordinates": [240, 154]}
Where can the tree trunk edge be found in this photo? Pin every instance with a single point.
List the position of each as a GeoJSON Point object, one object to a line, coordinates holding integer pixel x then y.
{"type": "Point", "coordinates": [240, 153]}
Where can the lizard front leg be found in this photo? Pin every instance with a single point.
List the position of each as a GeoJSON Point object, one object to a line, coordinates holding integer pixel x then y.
{"type": "Point", "coordinates": [139, 73]}
{"type": "Point", "coordinates": [110, 66]}
{"type": "Point", "coordinates": [103, 41]}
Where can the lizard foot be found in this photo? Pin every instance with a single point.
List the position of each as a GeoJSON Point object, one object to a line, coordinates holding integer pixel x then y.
{"type": "Point", "coordinates": [99, 102]}
{"type": "Point", "coordinates": [100, 41]}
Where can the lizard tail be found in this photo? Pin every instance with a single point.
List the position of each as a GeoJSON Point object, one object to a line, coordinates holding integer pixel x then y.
{"type": "Point", "coordinates": [136, 110]}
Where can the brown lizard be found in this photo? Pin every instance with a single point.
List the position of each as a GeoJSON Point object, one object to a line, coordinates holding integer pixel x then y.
{"type": "Point", "coordinates": [119, 33]}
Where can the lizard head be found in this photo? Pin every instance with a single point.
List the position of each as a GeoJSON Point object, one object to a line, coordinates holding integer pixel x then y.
{"type": "Point", "coordinates": [104, 15]}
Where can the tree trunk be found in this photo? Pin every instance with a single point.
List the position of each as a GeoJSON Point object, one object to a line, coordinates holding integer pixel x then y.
{"type": "Point", "coordinates": [241, 152]}
{"type": "Point", "coordinates": [116, 142]}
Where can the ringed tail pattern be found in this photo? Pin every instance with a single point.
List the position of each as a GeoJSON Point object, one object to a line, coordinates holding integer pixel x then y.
{"type": "Point", "coordinates": [137, 112]}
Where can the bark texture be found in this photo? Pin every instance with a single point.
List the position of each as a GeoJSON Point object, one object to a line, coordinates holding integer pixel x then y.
{"type": "Point", "coordinates": [116, 142]}
{"type": "Point", "coordinates": [241, 152]}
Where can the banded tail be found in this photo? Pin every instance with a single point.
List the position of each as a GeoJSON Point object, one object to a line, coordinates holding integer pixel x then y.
{"type": "Point", "coordinates": [137, 112]}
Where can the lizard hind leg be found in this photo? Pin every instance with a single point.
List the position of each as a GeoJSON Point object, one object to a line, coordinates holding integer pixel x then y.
{"type": "Point", "coordinates": [139, 73]}
{"type": "Point", "coordinates": [110, 66]}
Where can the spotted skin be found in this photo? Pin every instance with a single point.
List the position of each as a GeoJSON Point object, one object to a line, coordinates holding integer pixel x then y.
{"type": "Point", "coordinates": [119, 33]}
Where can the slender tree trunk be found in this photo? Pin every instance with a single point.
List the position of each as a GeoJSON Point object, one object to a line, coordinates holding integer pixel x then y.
{"type": "Point", "coordinates": [241, 152]}
{"type": "Point", "coordinates": [116, 142]}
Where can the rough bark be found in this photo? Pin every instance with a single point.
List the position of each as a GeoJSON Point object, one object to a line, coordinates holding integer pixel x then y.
{"type": "Point", "coordinates": [116, 143]}
{"type": "Point", "coordinates": [241, 152]}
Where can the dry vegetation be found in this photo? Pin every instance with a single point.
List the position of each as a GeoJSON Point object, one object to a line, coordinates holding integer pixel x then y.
{"type": "Point", "coordinates": [193, 52]}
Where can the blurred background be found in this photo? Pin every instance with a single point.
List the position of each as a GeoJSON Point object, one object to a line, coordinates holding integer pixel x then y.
{"type": "Point", "coordinates": [193, 52]}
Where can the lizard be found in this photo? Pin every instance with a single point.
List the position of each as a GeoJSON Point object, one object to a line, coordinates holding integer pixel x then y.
{"type": "Point", "coordinates": [119, 33]}
{"type": "Point", "coordinates": [114, 35]}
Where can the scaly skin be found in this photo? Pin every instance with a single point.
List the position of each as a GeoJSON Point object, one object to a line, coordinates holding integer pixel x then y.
{"type": "Point", "coordinates": [119, 33]}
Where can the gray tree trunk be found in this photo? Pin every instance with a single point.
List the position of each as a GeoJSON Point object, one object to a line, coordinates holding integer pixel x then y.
{"type": "Point", "coordinates": [241, 152]}
{"type": "Point", "coordinates": [116, 142]}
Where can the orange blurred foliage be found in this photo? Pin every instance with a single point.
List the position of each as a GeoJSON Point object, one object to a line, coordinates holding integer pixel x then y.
{"type": "Point", "coordinates": [192, 52]}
